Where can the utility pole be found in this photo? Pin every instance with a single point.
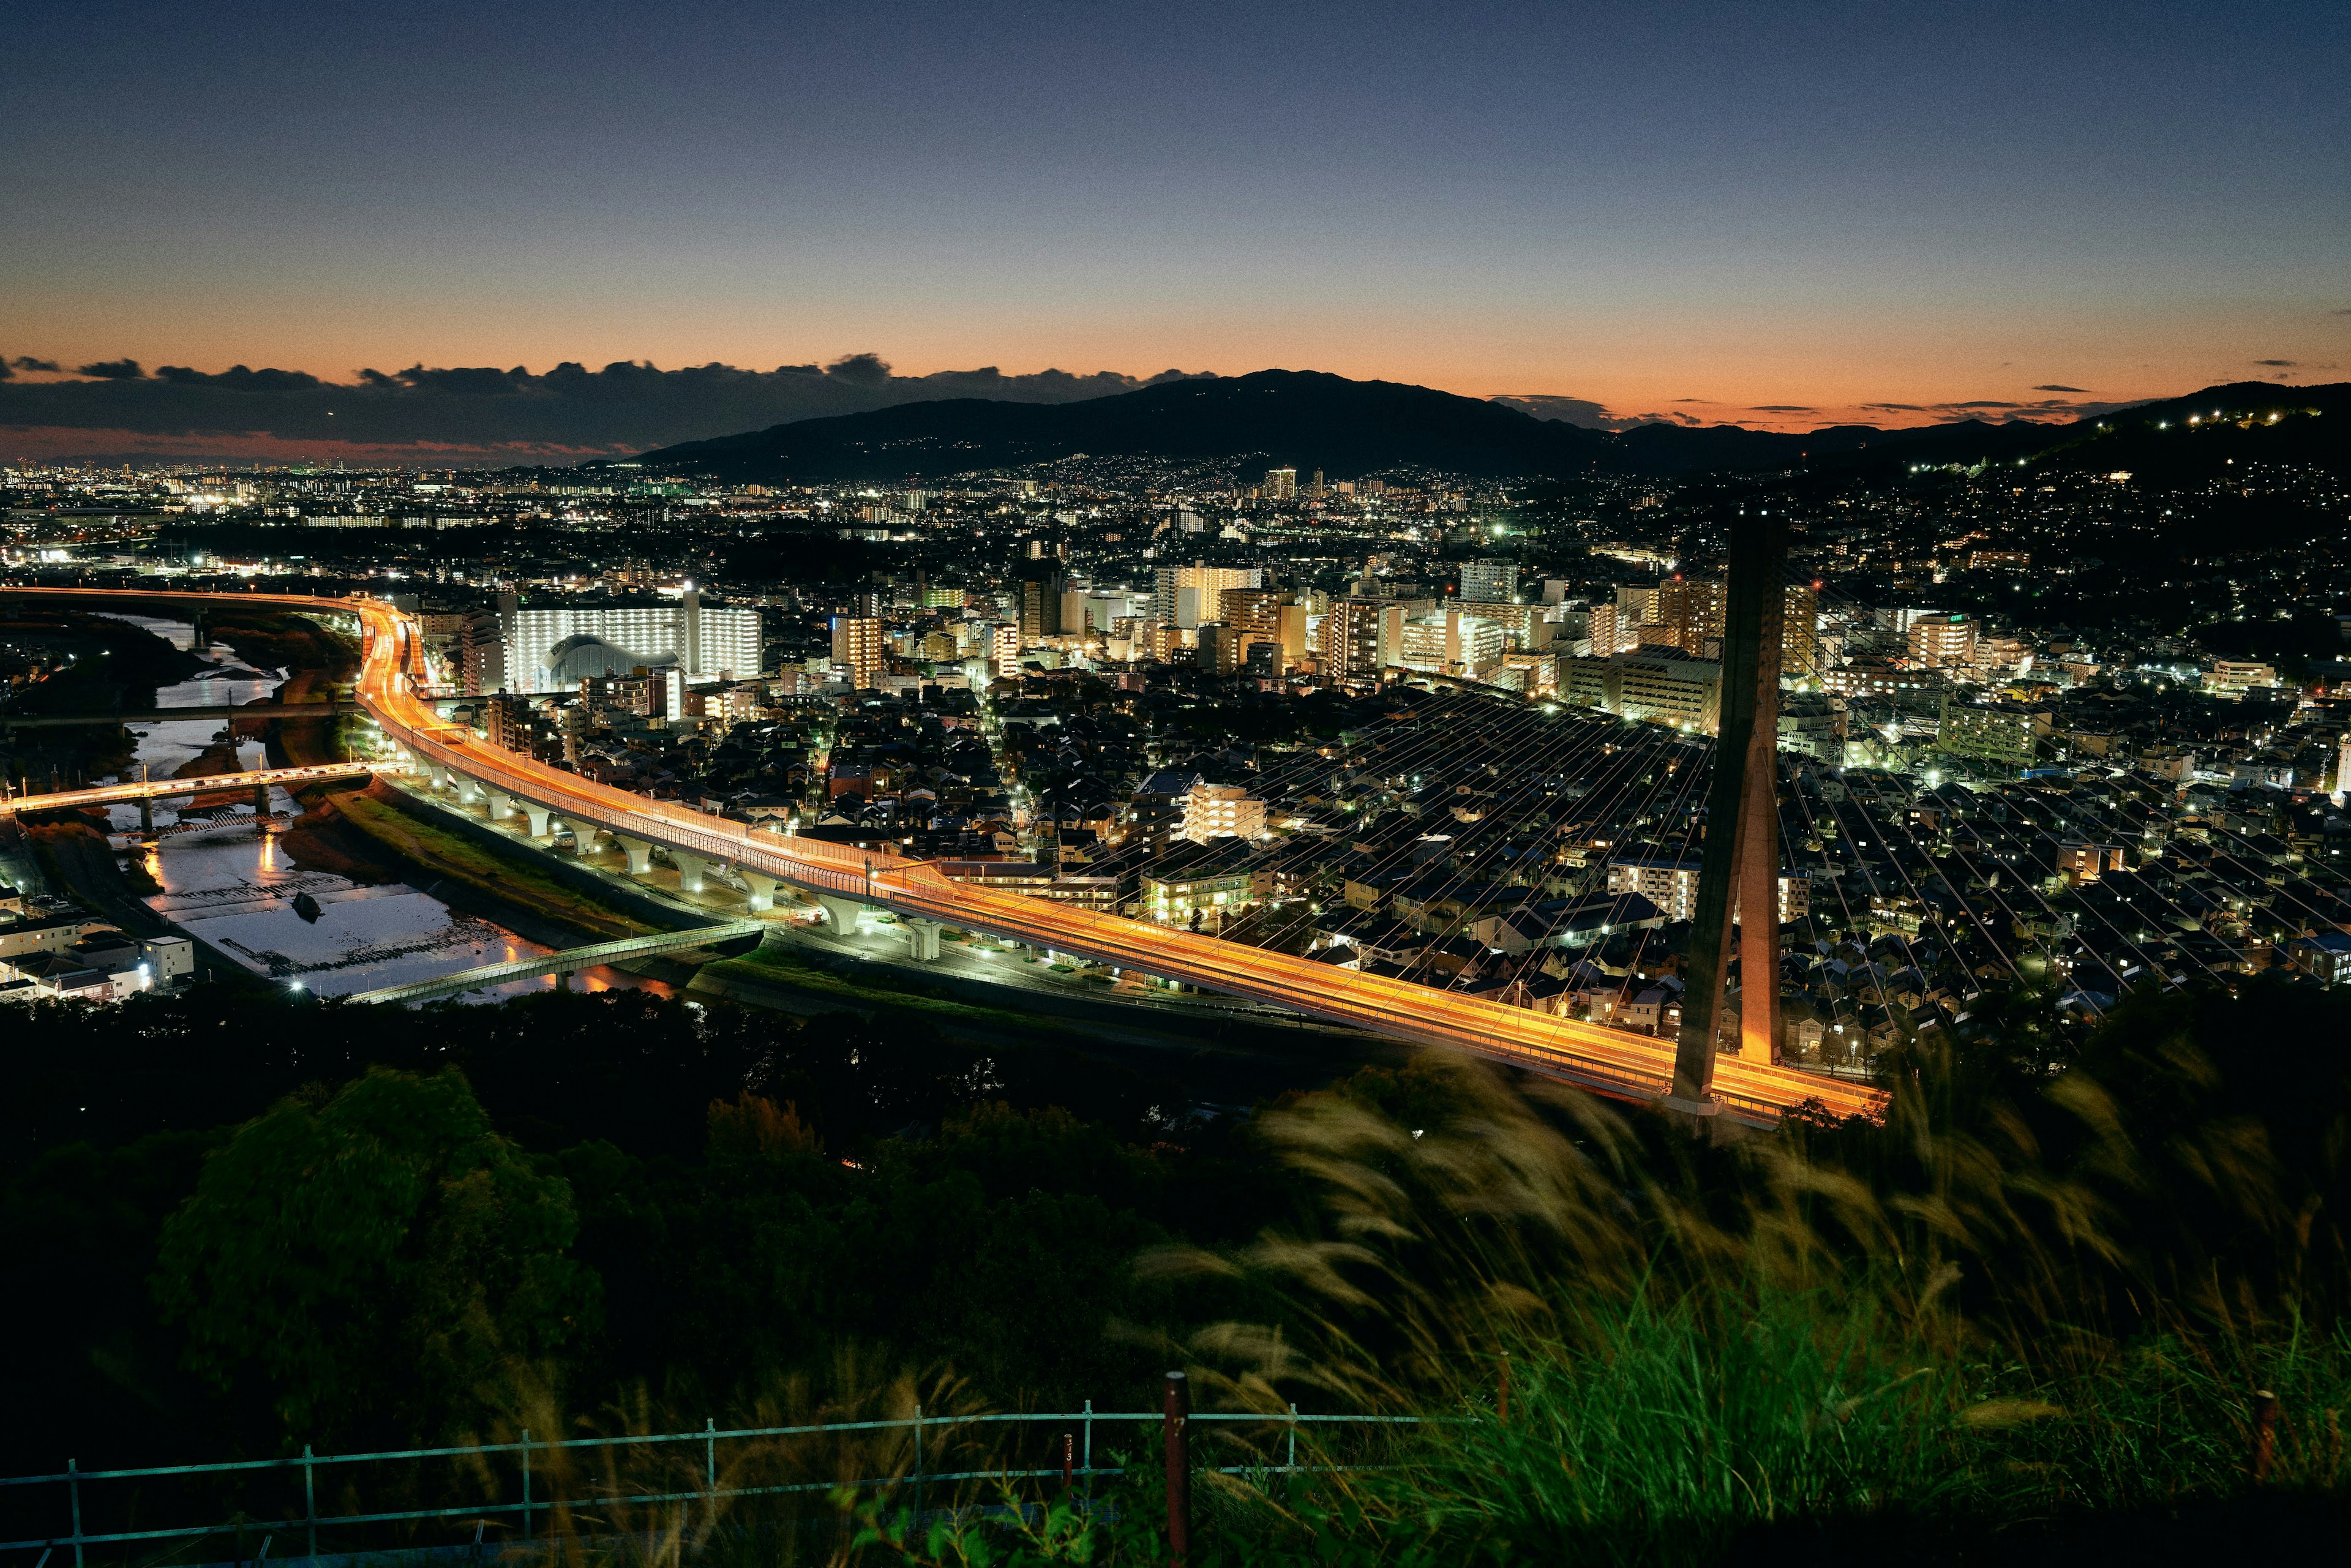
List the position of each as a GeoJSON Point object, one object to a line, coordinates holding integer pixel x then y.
{"type": "Point", "coordinates": [1740, 859]}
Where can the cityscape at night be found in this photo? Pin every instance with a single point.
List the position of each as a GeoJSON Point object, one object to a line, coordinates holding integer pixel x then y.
{"type": "Point", "coordinates": [876, 962]}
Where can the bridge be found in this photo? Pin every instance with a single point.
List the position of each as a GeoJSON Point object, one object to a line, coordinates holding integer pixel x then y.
{"type": "Point", "coordinates": [1625, 1066]}
{"type": "Point", "coordinates": [324, 708]}
{"type": "Point", "coordinates": [146, 792]}
{"type": "Point", "coordinates": [564, 962]}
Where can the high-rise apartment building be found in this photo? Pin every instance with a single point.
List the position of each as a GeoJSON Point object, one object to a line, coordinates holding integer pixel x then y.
{"type": "Point", "coordinates": [1186, 596]}
{"type": "Point", "coordinates": [860, 644]}
{"type": "Point", "coordinates": [1040, 590]}
{"type": "Point", "coordinates": [1004, 652]}
{"type": "Point", "coordinates": [1362, 637]}
{"type": "Point", "coordinates": [1942, 642]}
{"type": "Point", "coordinates": [1493, 581]}
{"type": "Point", "coordinates": [1282, 484]}
{"type": "Point", "coordinates": [1663, 689]}
{"type": "Point", "coordinates": [559, 646]}
{"type": "Point", "coordinates": [1692, 612]}
{"type": "Point", "coordinates": [1452, 642]}
{"type": "Point", "coordinates": [1273, 612]}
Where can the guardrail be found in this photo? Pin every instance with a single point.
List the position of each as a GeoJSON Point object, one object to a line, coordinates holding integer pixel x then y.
{"type": "Point", "coordinates": [539, 1498]}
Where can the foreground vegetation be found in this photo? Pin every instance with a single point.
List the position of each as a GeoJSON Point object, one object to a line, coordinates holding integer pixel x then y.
{"type": "Point", "coordinates": [2062, 1293]}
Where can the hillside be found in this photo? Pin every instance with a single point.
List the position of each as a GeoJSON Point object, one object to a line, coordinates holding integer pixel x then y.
{"type": "Point", "coordinates": [1303, 418]}
{"type": "Point", "coordinates": [1307, 420]}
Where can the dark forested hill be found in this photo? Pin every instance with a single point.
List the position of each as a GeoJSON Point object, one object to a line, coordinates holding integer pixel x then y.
{"type": "Point", "coordinates": [1307, 420]}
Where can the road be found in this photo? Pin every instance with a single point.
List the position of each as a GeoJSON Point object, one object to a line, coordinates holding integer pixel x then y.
{"type": "Point", "coordinates": [1610, 1061]}
{"type": "Point", "coordinates": [565, 961]}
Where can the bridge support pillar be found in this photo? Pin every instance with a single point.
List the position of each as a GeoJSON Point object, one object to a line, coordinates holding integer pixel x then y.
{"type": "Point", "coordinates": [147, 816]}
{"type": "Point", "coordinates": [840, 913]}
{"type": "Point", "coordinates": [922, 939]}
{"type": "Point", "coordinates": [261, 800]}
{"type": "Point", "coordinates": [640, 853]}
{"type": "Point", "coordinates": [468, 791]}
{"type": "Point", "coordinates": [763, 889]}
{"type": "Point", "coordinates": [440, 775]}
{"type": "Point", "coordinates": [538, 817]}
{"type": "Point", "coordinates": [502, 805]}
{"type": "Point", "coordinates": [690, 870]}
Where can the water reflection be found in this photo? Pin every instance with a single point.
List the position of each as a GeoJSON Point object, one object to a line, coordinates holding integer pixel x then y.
{"type": "Point", "coordinates": [235, 888]}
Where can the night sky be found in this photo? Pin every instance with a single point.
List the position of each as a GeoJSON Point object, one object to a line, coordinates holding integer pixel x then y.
{"type": "Point", "coordinates": [1784, 215]}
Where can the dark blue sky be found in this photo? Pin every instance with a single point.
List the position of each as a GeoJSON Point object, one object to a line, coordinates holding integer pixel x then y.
{"type": "Point", "coordinates": [1721, 208]}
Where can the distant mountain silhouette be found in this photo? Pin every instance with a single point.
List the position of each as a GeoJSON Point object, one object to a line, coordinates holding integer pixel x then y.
{"type": "Point", "coordinates": [1307, 420]}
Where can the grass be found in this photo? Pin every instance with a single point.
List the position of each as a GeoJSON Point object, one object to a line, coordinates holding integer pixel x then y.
{"type": "Point", "coordinates": [780, 966]}
{"type": "Point", "coordinates": [511, 878]}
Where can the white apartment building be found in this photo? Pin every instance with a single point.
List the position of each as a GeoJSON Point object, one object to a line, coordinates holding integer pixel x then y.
{"type": "Point", "coordinates": [547, 649]}
{"type": "Point", "coordinates": [1496, 581]}
{"type": "Point", "coordinates": [1672, 886]}
{"type": "Point", "coordinates": [1221, 811]}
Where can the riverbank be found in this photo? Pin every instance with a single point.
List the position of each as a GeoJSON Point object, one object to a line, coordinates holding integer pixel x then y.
{"type": "Point", "coordinates": [370, 834]}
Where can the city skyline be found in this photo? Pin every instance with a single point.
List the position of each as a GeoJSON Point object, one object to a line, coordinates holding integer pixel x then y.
{"type": "Point", "coordinates": [1723, 215]}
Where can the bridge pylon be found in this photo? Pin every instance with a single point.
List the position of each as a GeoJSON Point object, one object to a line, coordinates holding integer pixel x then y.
{"type": "Point", "coordinates": [1740, 865]}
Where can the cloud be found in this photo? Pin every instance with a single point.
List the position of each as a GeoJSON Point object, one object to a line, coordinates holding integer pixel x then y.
{"type": "Point", "coordinates": [458, 414]}
{"type": "Point", "coordinates": [1985, 404]}
{"type": "Point", "coordinates": [1895, 407]}
{"type": "Point", "coordinates": [1781, 408]}
{"type": "Point", "coordinates": [2062, 388]}
{"type": "Point", "coordinates": [1690, 400]}
{"type": "Point", "coordinates": [2274, 363]}
{"type": "Point", "coordinates": [239, 378]}
{"type": "Point", "coordinates": [26, 363]}
{"type": "Point", "coordinates": [1576, 411]}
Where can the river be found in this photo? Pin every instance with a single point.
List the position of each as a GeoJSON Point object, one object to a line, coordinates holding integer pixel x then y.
{"type": "Point", "coordinates": [235, 888]}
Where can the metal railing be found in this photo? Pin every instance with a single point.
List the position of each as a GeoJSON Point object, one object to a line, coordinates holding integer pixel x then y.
{"type": "Point", "coordinates": [537, 1509]}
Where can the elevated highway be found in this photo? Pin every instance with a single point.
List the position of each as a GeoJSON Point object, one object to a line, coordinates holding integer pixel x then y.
{"type": "Point", "coordinates": [1608, 1061]}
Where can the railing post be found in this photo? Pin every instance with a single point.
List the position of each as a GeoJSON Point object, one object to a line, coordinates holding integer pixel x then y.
{"type": "Point", "coordinates": [526, 1483]}
{"type": "Point", "coordinates": [73, 1490]}
{"type": "Point", "coordinates": [310, 1500]}
{"type": "Point", "coordinates": [918, 1467]}
{"type": "Point", "coordinates": [2264, 1443]}
{"type": "Point", "coordinates": [1292, 1465]}
{"type": "Point", "coordinates": [710, 1472]}
{"type": "Point", "coordinates": [1174, 1423]}
{"type": "Point", "coordinates": [1089, 1448]}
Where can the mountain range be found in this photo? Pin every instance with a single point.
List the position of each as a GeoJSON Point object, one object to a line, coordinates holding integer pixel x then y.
{"type": "Point", "coordinates": [1310, 420]}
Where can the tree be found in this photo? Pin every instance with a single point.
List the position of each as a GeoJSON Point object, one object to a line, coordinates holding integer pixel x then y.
{"type": "Point", "coordinates": [379, 1257]}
